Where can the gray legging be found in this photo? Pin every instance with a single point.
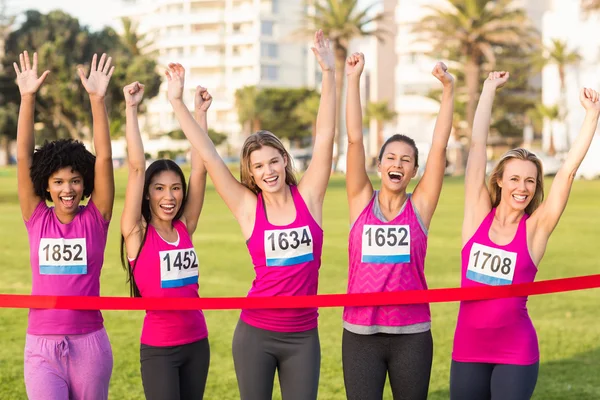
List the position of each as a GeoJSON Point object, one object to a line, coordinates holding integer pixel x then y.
{"type": "Point", "coordinates": [257, 353]}
{"type": "Point", "coordinates": [483, 381]}
{"type": "Point", "coordinates": [368, 359]}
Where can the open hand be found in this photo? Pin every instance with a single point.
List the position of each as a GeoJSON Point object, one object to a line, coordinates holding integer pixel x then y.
{"type": "Point", "coordinates": [176, 79]}
{"type": "Point", "coordinates": [440, 71]}
{"type": "Point", "coordinates": [202, 99]}
{"type": "Point", "coordinates": [134, 92]}
{"type": "Point", "coordinates": [323, 53]}
{"type": "Point", "coordinates": [355, 64]}
{"type": "Point", "coordinates": [27, 77]}
{"type": "Point", "coordinates": [97, 82]}
{"type": "Point", "coordinates": [497, 79]}
{"type": "Point", "coordinates": [590, 99]}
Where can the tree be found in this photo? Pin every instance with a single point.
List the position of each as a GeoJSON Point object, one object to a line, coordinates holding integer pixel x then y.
{"type": "Point", "coordinates": [137, 43]}
{"type": "Point", "coordinates": [474, 32]}
{"type": "Point", "coordinates": [559, 55]}
{"type": "Point", "coordinates": [276, 105]}
{"type": "Point", "coordinates": [378, 111]}
{"type": "Point", "coordinates": [342, 21]}
{"type": "Point", "coordinates": [549, 114]}
{"type": "Point", "coordinates": [248, 113]}
{"type": "Point", "coordinates": [216, 137]}
{"type": "Point", "coordinates": [306, 113]}
{"type": "Point", "coordinates": [62, 45]}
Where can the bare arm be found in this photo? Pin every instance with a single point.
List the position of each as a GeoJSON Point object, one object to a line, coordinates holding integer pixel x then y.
{"type": "Point", "coordinates": [427, 192]}
{"type": "Point", "coordinates": [104, 179]}
{"type": "Point", "coordinates": [197, 187]}
{"type": "Point", "coordinates": [29, 84]}
{"type": "Point", "coordinates": [314, 182]}
{"type": "Point", "coordinates": [358, 185]}
{"type": "Point", "coordinates": [477, 198]}
{"type": "Point", "coordinates": [131, 219]}
{"type": "Point", "coordinates": [240, 200]}
{"type": "Point", "coordinates": [546, 217]}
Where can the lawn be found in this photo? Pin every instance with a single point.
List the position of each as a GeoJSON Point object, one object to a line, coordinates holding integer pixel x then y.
{"type": "Point", "coordinates": [568, 324]}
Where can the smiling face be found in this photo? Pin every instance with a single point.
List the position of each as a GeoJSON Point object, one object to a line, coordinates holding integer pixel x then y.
{"type": "Point", "coordinates": [397, 166]}
{"type": "Point", "coordinates": [165, 194]}
{"type": "Point", "coordinates": [65, 187]}
{"type": "Point", "coordinates": [518, 183]}
{"type": "Point", "coordinates": [267, 169]}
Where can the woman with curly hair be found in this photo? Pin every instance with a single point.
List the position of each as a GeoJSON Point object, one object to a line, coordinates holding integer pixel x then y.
{"type": "Point", "coordinates": [67, 352]}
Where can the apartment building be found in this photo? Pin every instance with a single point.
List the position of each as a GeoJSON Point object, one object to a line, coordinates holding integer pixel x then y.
{"type": "Point", "coordinates": [224, 45]}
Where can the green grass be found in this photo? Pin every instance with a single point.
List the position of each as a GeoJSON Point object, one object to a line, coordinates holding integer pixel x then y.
{"type": "Point", "coordinates": [568, 325]}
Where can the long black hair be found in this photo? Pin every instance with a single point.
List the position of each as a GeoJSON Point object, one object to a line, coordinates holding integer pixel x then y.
{"type": "Point", "coordinates": [154, 169]}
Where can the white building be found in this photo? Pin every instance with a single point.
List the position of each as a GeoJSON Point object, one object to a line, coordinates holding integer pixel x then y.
{"type": "Point", "coordinates": [224, 45]}
{"type": "Point", "coordinates": [566, 22]}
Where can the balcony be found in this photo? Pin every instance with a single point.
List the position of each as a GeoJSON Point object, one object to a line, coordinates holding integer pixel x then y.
{"type": "Point", "coordinates": [182, 39]}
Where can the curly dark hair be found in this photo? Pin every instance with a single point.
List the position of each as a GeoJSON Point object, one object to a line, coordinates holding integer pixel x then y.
{"type": "Point", "coordinates": [58, 154]}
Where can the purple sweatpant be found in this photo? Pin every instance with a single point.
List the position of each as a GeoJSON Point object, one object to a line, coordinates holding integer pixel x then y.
{"type": "Point", "coordinates": [63, 367]}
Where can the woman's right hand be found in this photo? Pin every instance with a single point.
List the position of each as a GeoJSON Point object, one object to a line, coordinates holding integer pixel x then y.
{"type": "Point", "coordinates": [175, 81]}
{"type": "Point", "coordinates": [496, 79]}
{"type": "Point", "coordinates": [355, 64]}
{"type": "Point", "coordinates": [27, 77]}
{"type": "Point", "coordinates": [134, 92]}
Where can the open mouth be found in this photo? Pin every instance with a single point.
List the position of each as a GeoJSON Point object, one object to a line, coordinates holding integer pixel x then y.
{"type": "Point", "coordinates": [168, 208]}
{"type": "Point", "coordinates": [67, 201]}
{"type": "Point", "coordinates": [519, 198]}
{"type": "Point", "coordinates": [271, 181]}
{"type": "Point", "coordinates": [396, 176]}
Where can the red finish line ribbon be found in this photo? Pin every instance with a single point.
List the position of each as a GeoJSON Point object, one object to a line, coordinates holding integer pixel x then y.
{"type": "Point", "coordinates": [323, 300]}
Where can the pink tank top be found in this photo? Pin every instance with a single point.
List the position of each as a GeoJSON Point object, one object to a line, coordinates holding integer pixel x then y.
{"type": "Point", "coordinates": [66, 260]}
{"type": "Point", "coordinates": [496, 331]}
{"type": "Point", "coordinates": [387, 257]}
{"type": "Point", "coordinates": [286, 262]}
{"type": "Point", "coordinates": [166, 269]}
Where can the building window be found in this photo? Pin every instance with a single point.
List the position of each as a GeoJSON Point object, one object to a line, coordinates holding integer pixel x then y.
{"type": "Point", "coordinates": [269, 50]}
{"type": "Point", "coordinates": [275, 5]}
{"type": "Point", "coordinates": [269, 72]}
{"type": "Point", "coordinates": [266, 28]}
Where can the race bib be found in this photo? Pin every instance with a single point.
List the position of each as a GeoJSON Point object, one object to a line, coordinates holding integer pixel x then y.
{"type": "Point", "coordinates": [284, 247]}
{"type": "Point", "coordinates": [491, 266]}
{"type": "Point", "coordinates": [61, 256]}
{"type": "Point", "coordinates": [385, 244]}
{"type": "Point", "coordinates": [178, 268]}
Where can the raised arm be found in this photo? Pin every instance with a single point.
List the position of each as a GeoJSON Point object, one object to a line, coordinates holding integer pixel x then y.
{"type": "Point", "coordinates": [427, 192]}
{"type": "Point", "coordinates": [477, 198]}
{"type": "Point", "coordinates": [29, 84]}
{"type": "Point", "coordinates": [546, 217]}
{"type": "Point", "coordinates": [240, 200]}
{"type": "Point", "coordinates": [313, 184]}
{"type": "Point", "coordinates": [197, 187]}
{"type": "Point", "coordinates": [131, 219]}
{"type": "Point", "coordinates": [104, 179]}
{"type": "Point", "coordinates": [358, 185]}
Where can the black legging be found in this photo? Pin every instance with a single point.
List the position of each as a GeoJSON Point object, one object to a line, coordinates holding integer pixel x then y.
{"type": "Point", "coordinates": [175, 372]}
{"type": "Point", "coordinates": [482, 381]}
{"type": "Point", "coordinates": [367, 359]}
{"type": "Point", "coordinates": [296, 356]}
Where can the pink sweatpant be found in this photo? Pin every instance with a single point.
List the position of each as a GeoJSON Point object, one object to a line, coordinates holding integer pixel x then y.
{"type": "Point", "coordinates": [63, 367]}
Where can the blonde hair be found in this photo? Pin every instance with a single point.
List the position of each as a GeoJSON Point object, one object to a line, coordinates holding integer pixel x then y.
{"type": "Point", "coordinates": [496, 175]}
{"type": "Point", "coordinates": [255, 142]}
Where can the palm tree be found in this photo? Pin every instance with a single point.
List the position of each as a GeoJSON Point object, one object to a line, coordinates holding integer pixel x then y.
{"type": "Point", "coordinates": [135, 42]}
{"type": "Point", "coordinates": [475, 31]}
{"type": "Point", "coordinates": [378, 111]}
{"type": "Point", "coordinates": [562, 57]}
{"type": "Point", "coordinates": [549, 114]}
{"type": "Point", "coordinates": [342, 21]}
{"type": "Point", "coordinates": [306, 113]}
{"type": "Point", "coordinates": [248, 112]}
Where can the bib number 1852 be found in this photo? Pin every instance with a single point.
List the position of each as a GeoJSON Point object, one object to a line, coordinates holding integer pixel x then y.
{"type": "Point", "coordinates": [59, 256]}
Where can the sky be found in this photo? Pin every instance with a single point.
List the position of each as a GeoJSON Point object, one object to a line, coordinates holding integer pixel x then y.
{"type": "Point", "coordinates": [95, 13]}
